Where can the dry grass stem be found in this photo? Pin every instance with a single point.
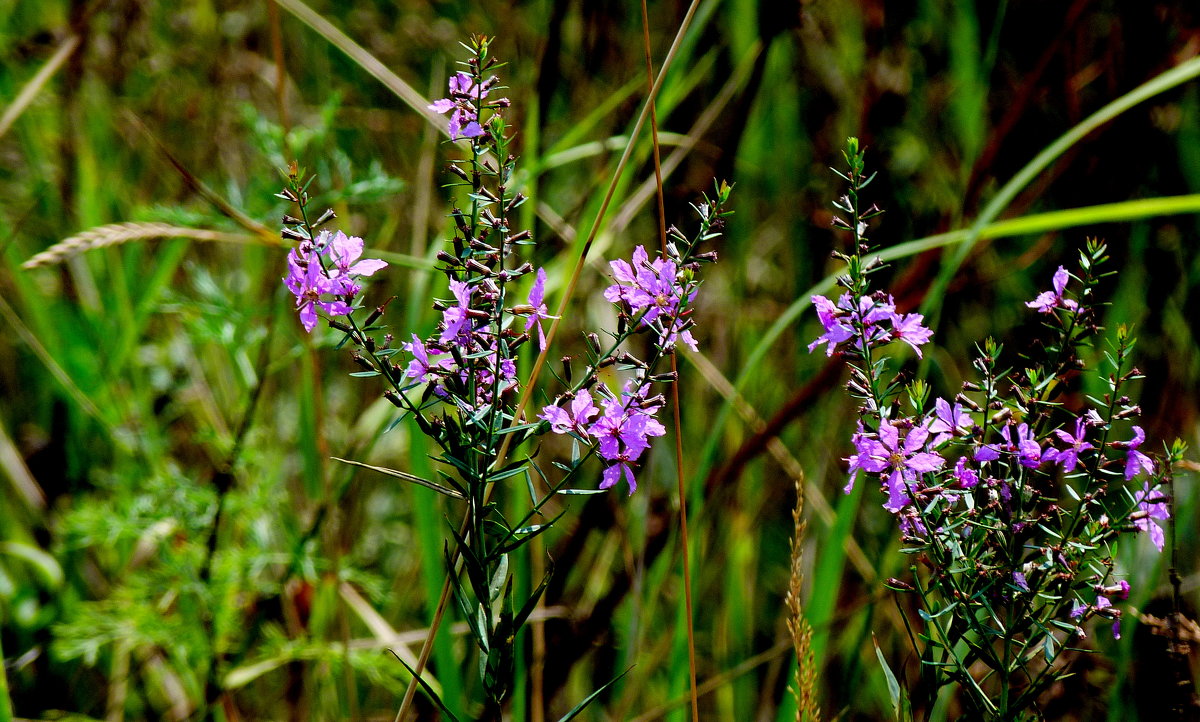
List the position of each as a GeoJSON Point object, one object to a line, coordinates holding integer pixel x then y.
{"type": "Point", "coordinates": [805, 689]}
{"type": "Point", "coordinates": [118, 233]}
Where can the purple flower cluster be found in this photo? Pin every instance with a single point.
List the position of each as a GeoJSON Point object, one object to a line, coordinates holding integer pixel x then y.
{"type": "Point", "coordinates": [876, 317]}
{"type": "Point", "coordinates": [465, 101]}
{"type": "Point", "coordinates": [905, 454]}
{"type": "Point", "coordinates": [657, 292]}
{"type": "Point", "coordinates": [323, 274]}
{"type": "Point", "coordinates": [620, 434]}
{"type": "Point", "coordinates": [461, 360]}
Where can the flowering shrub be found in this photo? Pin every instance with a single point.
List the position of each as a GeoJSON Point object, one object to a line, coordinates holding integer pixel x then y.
{"type": "Point", "coordinates": [1008, 498]}
{"type": "Point", "coordinates": [460, 384]}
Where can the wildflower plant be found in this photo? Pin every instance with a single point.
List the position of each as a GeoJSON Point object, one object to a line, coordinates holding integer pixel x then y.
{"type": "Point", "coordinates": [460, 384]}
{"type": "Point", "coordinates": [1009, 497]}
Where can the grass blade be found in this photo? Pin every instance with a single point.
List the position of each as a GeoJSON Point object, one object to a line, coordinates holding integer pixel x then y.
{"type": "Point", "coordinates": [413, 478]}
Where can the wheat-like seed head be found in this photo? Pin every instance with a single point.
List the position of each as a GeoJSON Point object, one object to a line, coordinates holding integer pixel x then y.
{"type": "Point", "coordinates": [805, 689]}
{"type": "Point", "coordinates": [117, 233]}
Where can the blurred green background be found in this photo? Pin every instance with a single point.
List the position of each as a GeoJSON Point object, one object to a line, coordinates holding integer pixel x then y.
{"type": "Point", "coordinates": [163, 370]}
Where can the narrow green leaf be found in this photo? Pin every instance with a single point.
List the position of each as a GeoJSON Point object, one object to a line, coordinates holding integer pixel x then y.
{"type": "Point", "coordinates": [588, 700]}
{"type": "Point", "coordinates": [425, 686]}
{"type": "Point", "coordinates": [405, 476]}
{"type": "Point", "coordinates": [892, 685]}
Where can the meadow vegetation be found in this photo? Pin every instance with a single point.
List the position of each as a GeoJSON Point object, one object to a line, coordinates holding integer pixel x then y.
{"type": "Point", "coordinates": [177, 538]}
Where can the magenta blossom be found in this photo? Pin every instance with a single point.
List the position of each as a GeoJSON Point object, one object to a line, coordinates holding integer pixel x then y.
{"type": "Point", "coordinates": [1069, 457]}
{"type": "Point", "coordinates": [1136, 461]}
{"type": "Point", "coordinates": [657, 291]}
{"type": "Point", "coordinates": [622, 433]}
{"type": "Point", "coordinates": [1152, 504]}
{"type": "Point", "coordinates": [537, 302]}
{"type": "Point", "coordinates": [464, 94]}
{"type": "Point", "coordinates": [420, 367]}
{"type": "Point", "coordinates": [576, 419]}
{"type": "Point", "coordinates": [965, 475]}
{"type": "Point", "coordinates": [455, 317]}
{"type": "Point", "coordinates": [842, 322]}
{"type": "Point", "coordinates": [308, 281]}
{"type": "Point", "coordinates": [1028, 452]}
{"type": "Point", "coordinates": [908, 328]}
{"type": "Point", "coordinates": [837, 327]}
{"type": "Point", "coordinates": [1047, 301]}
{"type": "Point", "coordinates": [344, 254]}
{"type": "Point", "coordinates": [903, 461]}
{"type": "Point", "coordinates": [948, 421]}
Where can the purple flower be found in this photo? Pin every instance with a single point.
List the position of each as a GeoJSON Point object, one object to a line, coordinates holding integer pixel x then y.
{"type": "Point", "coordinates": [344, 251]}
{"type": "Point", "coordinates": [908, 328]}
{"type": "Point", "coordinates": [964, 475]}
{"type": "Point", "coordinates": [1019, 580]}
{"type": "Point", "coordinates": [902, 460]}
{"type": "Point", "coordinates": [857, 460]}
{"type": "Point", "coordinates": [1103, 602]}
{"type": "Point", "coordinates": [1152, 504]}
{"type": "Point", "coordinates": [1028, 452]}
{"type": "Point", "coordinates": [537, 298]}
{"type": "Point", "coordinates": [420, 367]}
{"type": "Point", "coordinates": [657, 291]}
{"type": "Point", "coordinates": [307, 281]}
{"type": "Point", "coordinates": [1069, 457]}
{"type": "Point", "coordinates": [455, 316]}
{"type": "Point", "coordinates": [837, 329]}
{"type": "Point", "coordinates": [1135, 460]}
{"type": "Point", "coordinates": [948, 421]}
{"type": "Point", "coordinates": [1077, 609]}
{"type": "Point", "coordinates": [622, 433]}
{"type": "Point", "coordinates": [576, 420]}
{"type": "Point", "coordinates": [465, 116]}
{"type": "Point", "coordinates": [1047, 301]}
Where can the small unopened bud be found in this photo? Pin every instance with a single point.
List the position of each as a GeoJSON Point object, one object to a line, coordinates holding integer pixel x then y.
{"type": "Point", "coordinates": [362, 363]}
{"type": "Point", "coordinates": [478, 267]}
{"type": "Point", "coordinates": [1129, 411]}
{"type": "Point", "coordinates": [393, 398]}
{"type": "Point", "coordinates": [448, 258]}
{"type": "Point", "coordinates": [378, 312]}
{"type": "Point", "coordinates": [628, 358]}
{"type": "Point", "coordinates": [458, 172]}
{"type": "Point", "coordinates": [897, 585]}
{"type": "Point", "coordinates": [667, 378]}
{"type": "Point", "coordinates": [522, 236]}
{"type": "Point", "coordinates": [594, 343]}
{"type": "Point", "coordinates": [340, 326]}
{"type": "Point", "coordinates": [325, 217]}
{"type": "Point", "coordinates": [293, 235]}
{"type": "Point", "coordinates": [566, 364]}
{"type": "Point", "coordinates": [968, 402]}
{"type": "Point", "coordinates": [369, 343]}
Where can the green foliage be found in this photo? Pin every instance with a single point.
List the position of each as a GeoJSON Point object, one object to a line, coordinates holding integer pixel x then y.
{"type": "Point", "coordinates": [145, 385]}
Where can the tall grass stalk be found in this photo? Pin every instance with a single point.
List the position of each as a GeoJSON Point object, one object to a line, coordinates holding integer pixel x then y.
{"type": "Point", "coordinates": [679, 474]}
